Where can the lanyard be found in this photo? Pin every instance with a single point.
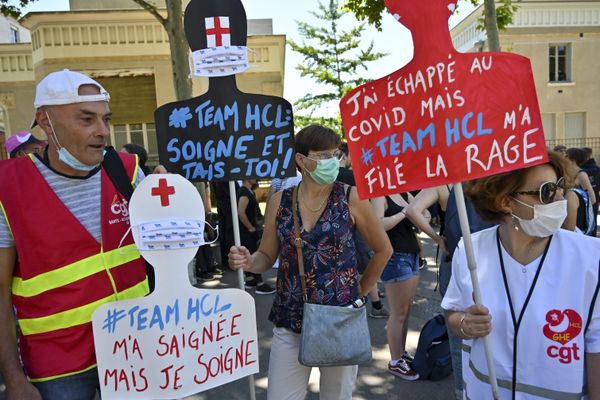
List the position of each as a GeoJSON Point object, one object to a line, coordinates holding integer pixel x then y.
{"type": "Point", "coordinates": [517, 321]}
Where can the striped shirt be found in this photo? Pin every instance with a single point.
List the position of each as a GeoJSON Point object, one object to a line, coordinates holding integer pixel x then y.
{"type": "Point", "coordinates": [278, 184]}
{"type": "Point", "coordinates": [81, 196]}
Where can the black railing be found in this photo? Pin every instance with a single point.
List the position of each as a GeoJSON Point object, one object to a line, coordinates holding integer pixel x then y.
{"type": "Point", "coordinates": [593, 143]}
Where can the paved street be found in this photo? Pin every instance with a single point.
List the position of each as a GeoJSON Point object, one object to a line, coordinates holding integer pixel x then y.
{"type": "Point", "coordinates": [374, 382]}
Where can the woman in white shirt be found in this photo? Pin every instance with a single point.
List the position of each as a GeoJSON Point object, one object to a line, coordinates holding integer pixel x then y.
{"type": "Point", "coordinates": [539, 283]}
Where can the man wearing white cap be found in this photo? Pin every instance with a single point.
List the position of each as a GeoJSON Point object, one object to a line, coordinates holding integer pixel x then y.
{"type": "Point", "coordinates": [67, 241]}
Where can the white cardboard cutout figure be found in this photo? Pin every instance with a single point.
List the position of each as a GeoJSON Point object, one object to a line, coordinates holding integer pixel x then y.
{"type": "Point", "coordinates": [179, 340]}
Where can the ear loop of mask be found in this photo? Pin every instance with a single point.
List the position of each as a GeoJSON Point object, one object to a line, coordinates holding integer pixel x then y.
{"type": "Point", "coordinates": [522, 202]}
{"type": "Point", "coordinates": [53, 136]}
{"type": "Point", "coordinates": [124, 236]}
{"type": "Point", "coordinates": [214, 228]}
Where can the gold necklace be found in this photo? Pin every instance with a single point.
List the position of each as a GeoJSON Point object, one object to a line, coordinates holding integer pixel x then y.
{"type": "Point", "coordinates": [313, 209]}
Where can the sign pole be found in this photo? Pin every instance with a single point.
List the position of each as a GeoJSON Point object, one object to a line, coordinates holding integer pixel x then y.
{"type": "Point", "coordinates": [236, 228]}
{"type": "Point", "coordinates": [466, 233]}
{"type": "Point", "coordinates": [240, 272]}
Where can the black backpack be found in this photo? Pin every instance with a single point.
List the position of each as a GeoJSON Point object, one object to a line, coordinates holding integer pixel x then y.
{"type": "Point", "coordinates": [115, 170]}
{"type": "Point", "coordinates": [432, 359]}
{"type": "Point", "coordinates": [586, 218]}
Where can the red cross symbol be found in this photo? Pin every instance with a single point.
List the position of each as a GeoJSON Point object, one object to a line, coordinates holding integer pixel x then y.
{"type": "Point", "coordinates": [164, 191]}
{"type": "Point", "coordinates": [218, 31]}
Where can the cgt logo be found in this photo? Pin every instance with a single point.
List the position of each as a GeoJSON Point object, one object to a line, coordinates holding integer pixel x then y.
{"type": "Point", "coordinates": [563, 327]}
{"type": "Point", "coordinates": [119, 207]}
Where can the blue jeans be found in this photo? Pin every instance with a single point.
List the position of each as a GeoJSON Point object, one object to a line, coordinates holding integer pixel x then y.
{"type": "Point", "coordinates": [81, 386]}
{"type": "Point", "coordinates": [400, 267]}
{"type": "Point", "coordinates": [455, 341]}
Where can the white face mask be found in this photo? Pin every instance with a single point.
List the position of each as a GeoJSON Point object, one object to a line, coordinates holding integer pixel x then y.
{"type": "Point", "coordinates": [547, 218]}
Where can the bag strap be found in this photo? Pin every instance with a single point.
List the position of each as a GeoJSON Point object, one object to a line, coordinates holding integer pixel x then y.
{"type": "Point", "coordinates": [593, 303]}
{"type": "Point", "coordinates": [115, 170]}
{"type": "Point", "coordinates": [298, 242]}
{"type": "Point", "coordinates": [348, 191]}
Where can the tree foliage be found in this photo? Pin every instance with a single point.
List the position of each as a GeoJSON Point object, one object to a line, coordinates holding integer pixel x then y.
{"type": "Point", "coordinates": [8, 9]}
{"type": "Point", "coordinates": [333, 59]}
{"type": "Point", "coordinates": [371, 11]}
{"type": "Point", "coordinates": [173, 24]}
{"type": "Point", "coordinates": [367, 10]}
{"type": "Point", "coordinates": [505, 12]}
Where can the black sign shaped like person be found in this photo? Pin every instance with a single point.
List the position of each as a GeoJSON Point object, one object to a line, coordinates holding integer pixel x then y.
{"type": "Point", "coordinates": [224, 134]}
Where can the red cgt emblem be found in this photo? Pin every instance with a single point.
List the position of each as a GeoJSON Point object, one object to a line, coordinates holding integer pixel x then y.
{"type": "Point", "coordinates": [562, 326]}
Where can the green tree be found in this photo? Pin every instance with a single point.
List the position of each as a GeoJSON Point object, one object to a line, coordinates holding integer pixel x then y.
{"type": "Point", "coordinates": [173, 24]}
{"type": "Point", "coordinates": [332, 58]}
{"type": "Point", "coordinates": [8, 9]}
{"type": "Point", "coordinates": [497, 16]}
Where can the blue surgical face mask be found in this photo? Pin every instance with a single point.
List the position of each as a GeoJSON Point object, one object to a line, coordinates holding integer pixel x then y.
{"type": "Point", "coordinates": [66, 157]}
{"type": "Point", "coordinates": [326, 171]}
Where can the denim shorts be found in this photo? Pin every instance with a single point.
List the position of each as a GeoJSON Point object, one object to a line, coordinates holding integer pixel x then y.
{"type": "Point", "coordinates": [401, 267]}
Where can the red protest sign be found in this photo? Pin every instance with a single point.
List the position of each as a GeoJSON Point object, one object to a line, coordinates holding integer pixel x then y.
{"type": "Point", "coordinates": [446, 116]}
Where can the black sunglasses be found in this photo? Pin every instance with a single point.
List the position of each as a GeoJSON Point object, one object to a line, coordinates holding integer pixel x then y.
{"type": "Point", "coordinates": [547, 191]}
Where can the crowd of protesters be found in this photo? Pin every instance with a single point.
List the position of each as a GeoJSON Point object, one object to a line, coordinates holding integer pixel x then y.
{"type": "Point", "coordinates": [529, 213]}
{"type": "Point", "coordinates": [534, 228]}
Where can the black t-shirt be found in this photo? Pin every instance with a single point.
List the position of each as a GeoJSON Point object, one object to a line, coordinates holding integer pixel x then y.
{"type": "Point", "coordinates": [247, 238]}
{"type": "Point", "coordinates": [346, 176]}
{"type": "Point", "coordinates": [402, 236]}
{"type": "Point", "coordinates": [252, 210]}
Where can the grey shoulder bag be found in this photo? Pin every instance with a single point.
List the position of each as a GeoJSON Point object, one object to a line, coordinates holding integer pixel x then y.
{"type": "Point", "coordinates": [331, 335]}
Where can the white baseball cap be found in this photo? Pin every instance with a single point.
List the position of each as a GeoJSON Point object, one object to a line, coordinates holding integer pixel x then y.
{"type": "Point", "coordinates": [62, 87]}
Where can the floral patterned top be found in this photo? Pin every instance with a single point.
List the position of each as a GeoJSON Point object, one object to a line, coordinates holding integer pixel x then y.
{"type": "Point", "coordinates": [329, 260]}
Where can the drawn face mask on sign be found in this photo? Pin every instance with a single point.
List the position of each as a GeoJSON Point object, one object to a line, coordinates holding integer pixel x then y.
{"type": "Point", "coordinates": [220, 61]}
{"type": "Point", "coordinates": [173, 234]}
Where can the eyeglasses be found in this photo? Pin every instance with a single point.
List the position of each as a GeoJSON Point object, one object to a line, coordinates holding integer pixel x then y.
{"type": "Point", "coordinates": [324, 155]}
{"type": "Point", "coordinates": [547, 191]}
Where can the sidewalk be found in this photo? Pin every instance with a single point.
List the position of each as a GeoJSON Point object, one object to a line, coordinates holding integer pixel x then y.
{"type": "Point", "coordinates": [374, 382]}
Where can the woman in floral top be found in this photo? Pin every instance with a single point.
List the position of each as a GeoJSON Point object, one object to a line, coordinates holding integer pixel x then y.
{"type": "Point", "coordinates": [328, 214]}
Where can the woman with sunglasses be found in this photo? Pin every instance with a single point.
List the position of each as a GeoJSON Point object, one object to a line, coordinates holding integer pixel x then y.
{"type": "Point", "coordinates": [539, 285]}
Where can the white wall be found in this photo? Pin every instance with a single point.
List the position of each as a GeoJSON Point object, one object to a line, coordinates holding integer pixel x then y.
{"type": "Point", "coordinates": [5, 30]}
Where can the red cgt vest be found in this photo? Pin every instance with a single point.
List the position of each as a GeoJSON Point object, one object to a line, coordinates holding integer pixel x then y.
{"type": "Point", "coordinates": [63, 274]}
